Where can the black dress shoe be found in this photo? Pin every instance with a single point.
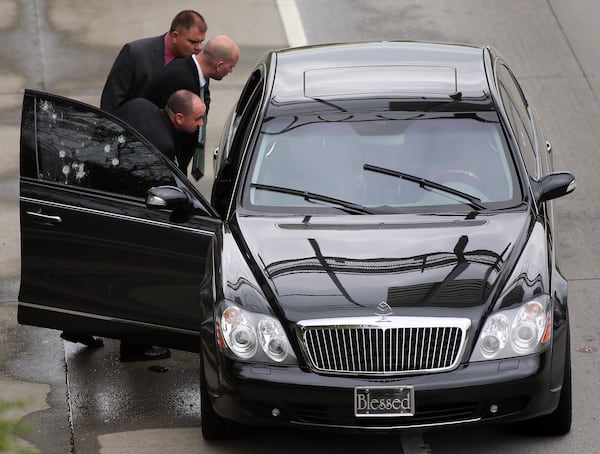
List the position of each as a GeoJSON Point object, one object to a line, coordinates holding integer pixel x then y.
{"type": "Point", "coordinates": [85, 339]}
{"type": "Point", "coordinates": [150, 354]}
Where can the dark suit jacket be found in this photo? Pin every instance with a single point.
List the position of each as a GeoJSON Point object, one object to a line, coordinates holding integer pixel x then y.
{"type": "Point", "coordinates": [135, 66]}
{"type": "Point", "coordinates": [181, 73]}
{"type": "Point", "coordinates": [152, 122]}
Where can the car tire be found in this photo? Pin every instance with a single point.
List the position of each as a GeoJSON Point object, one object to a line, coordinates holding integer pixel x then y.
{"type": "Point", "coordinates": [215, 427]}
{"type": "Point", "coordinates": [559, 421]}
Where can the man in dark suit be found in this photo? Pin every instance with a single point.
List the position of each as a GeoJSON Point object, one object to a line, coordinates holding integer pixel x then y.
{"type": "Point", "coordinates": [183, 114]}
{"type": "Point", "coordinates": [138, 61]}
{"type": "Point", "coordinates": [215, 61]}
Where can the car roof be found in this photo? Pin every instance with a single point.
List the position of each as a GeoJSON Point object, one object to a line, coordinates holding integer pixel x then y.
{"type": "Point", "coordinates": [398, 69]}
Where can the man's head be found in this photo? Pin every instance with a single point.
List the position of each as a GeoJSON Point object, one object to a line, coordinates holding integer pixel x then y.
{"type": "Point", "coordinates": [186, 111]}
{"type": "Point", "coordinates": [219, 57]}
{"type": "Point", "coordinates": [187, 32]}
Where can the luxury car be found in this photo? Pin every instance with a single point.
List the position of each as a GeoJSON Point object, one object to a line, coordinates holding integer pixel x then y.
{"type": "Point", "coordinates": [379, 251]}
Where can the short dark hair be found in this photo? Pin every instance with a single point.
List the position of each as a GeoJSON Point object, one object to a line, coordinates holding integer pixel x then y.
{"type": "Point", "coordinates": [187, 19]}
{"type": "Point", "coordinates": [180, 101]}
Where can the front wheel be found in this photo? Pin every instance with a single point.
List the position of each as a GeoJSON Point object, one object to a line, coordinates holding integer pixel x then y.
{"type": "Point", "coordinates": [215, 427]}
{"type": "Point", "coordinates": [559, 421]}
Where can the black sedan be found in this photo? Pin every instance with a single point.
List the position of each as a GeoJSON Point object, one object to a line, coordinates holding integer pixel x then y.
{"type": "Point", "coordinates": [379, 252]}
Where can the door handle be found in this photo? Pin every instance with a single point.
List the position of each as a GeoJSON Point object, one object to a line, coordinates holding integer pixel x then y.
{"type": "Point", "coordinates": [45, 219]}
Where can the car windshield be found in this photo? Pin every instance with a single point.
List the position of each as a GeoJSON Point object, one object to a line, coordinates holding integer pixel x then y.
{"type": "Point", "coordinates": [383, 162]}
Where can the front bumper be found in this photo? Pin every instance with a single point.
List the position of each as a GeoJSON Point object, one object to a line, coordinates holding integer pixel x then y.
{"type": "Point", "coordinates": [491, 391]}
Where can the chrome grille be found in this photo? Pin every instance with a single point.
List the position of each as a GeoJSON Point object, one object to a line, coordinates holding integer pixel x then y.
{"type": "Point", "coordinates": [389, 346]}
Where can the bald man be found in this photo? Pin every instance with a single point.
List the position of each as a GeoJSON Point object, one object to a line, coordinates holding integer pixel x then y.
{"type": "Point", "coordinates": [217, 59]}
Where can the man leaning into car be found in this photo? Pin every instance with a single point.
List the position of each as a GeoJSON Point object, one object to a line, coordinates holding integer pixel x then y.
{"type": "Point", "coordinates": [183, 114]}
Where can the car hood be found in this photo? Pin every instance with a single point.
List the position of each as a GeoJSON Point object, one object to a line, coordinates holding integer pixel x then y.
{"type": "Point", "coordinates": [322, 267]}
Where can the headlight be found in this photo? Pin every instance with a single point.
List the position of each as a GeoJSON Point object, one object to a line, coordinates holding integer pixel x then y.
{"type": "Point", "coordinates": [237, 332]}
{"type": "Point", "coordinates": [494, 335]}
{"type": "Point", "coordinates": [514, 332]}
{"type": "Point", "coordinates": [246, 335]}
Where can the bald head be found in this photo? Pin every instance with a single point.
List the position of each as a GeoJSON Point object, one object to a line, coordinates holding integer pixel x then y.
{"type": "Point", "coordinates": [218, 57]}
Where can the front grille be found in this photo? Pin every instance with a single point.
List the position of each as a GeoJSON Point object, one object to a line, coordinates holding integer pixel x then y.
{"type": "Point", "coordinates": [383, 346]}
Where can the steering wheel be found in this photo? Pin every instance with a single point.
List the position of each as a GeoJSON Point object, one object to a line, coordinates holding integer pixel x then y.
{"type": "Point", "coordinates": [474, 184]}
{"type": "Point", "coordinates": [459, 175]}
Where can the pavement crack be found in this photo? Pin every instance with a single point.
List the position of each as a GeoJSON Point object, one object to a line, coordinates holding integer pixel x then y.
{"type": "Point", "coordinates": [73, 450]}
{"type": "Point", "coordinates": [40, 32]}
{"type": "Point", "coordinates": [566, 38]}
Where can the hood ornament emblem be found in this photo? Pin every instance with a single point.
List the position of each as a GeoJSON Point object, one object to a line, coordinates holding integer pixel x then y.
{"type": "Point", "coordinates": [383, 311]}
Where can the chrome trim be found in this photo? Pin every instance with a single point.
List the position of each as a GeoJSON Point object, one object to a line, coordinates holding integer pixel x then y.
{"type": "Point", "coordinates": [116, 216]}
{"type": "Point", "coordinates": [45, 217]}
{"type": "Point", "coordinates": [358, 345]}
{"type": "Point", "coordinates": [108, 319]}
{"type": "Point", "coordinates": [394, 427]}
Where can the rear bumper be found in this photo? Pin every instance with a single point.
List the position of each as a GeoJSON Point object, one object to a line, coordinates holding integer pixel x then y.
{"type": "Point", "coordinates": [496, 391]}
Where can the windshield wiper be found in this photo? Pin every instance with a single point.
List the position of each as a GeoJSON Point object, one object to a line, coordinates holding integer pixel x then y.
{"type": "Point", "coordinates": [468, 199]}
{"type": "Point", "coordinates": [349, 207]}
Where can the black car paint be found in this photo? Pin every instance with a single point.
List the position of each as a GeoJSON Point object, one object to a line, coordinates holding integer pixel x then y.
{"type": "Point", "coordinates": [450, 264]}
{"type": "Point", "coordinates": [234, 383]}
{"type": "Point", "coordinates": [106, 263]}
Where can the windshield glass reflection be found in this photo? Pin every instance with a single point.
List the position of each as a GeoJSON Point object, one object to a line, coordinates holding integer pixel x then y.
{"type": "Point", "coordinates": [327, 156]}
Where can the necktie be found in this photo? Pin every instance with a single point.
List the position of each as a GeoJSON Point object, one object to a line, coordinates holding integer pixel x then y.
{"type": "Point", "coordinates": [198, 160]}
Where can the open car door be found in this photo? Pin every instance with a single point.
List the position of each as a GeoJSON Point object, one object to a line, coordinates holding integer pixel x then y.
{"type": "Point", "coordinates": [96, 257]}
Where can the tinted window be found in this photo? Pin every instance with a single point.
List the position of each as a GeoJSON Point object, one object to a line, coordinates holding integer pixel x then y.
{"type": "Point", "coordinates": [518, 116]}
{"type": "Point", "coordinates": [240, 127]}
{"type": "Point", "coordinates": [80, 148]}
{"type": "Point", "coordinates": [247, 108]}
{"type": "Point", "coordinates": [326, 155]}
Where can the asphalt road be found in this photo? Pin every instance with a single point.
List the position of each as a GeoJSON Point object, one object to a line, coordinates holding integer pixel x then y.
{"type": "Point", "coordinates": [88, 402]}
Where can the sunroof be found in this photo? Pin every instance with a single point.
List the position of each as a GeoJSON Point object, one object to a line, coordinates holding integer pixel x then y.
{"type": "Point", "coordinates": [389, 80]}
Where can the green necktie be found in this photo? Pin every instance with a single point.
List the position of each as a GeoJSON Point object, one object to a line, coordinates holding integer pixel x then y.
{"type": "Point", "coordinates": [198, 160]}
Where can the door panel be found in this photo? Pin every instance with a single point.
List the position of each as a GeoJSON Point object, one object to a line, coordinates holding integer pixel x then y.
{"type": "Point", "coordinates": [94, 258]}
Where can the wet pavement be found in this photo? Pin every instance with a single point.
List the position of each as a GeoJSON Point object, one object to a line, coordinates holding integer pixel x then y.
{"type": "Point", "coordinates": [80, 400]}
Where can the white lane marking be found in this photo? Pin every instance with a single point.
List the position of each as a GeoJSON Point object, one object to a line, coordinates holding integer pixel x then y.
{"type": "Point", "coordinates": [292, 23]}
{"type": "Point", "coordinates": [412, 443]}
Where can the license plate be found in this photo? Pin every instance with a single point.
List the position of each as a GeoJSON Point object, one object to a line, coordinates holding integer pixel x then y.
{"type": "Point", "coordinates": [371, 401]}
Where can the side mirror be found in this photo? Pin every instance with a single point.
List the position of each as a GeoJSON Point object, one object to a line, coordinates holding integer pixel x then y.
{"type": "Point", "coordinates": [555, 185]}
{"type": "Point", "coordinates": [168, 198]}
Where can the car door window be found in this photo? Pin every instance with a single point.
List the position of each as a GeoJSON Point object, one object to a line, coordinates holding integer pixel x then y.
{"type": "Point", "coordinates": [78, 148]}
{"type": "Point", "coordinates": [246, 106]}
{"type": "Point", "coordinates": [518, 115]}
{"type": "Point", "coordinates": [239, 130]}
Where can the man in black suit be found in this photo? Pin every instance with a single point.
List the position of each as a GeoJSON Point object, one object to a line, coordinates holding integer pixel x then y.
{"type": "Point", "coordinates": [215, 61]}
{"type": "Point", "coordinates": [183, 114]}
{"type": "Point", "coordinates": [138, 61]}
